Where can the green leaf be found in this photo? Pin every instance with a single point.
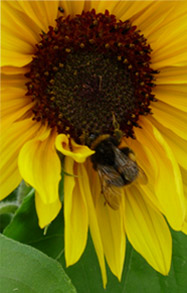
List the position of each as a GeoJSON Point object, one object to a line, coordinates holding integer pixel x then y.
{"type": "Point", "coordinates": [4, 221]}
{"type": "Point", "coordinates": [25, 269]}
{"type": "Point", "coordinates": [138, 276]}
{"type": "Point", "coordinates": [8, 207]}
{"type": "Point", "coordinates": [24, 228]}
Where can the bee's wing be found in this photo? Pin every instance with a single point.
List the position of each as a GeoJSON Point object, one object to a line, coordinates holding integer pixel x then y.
{"type": "Point", "coordinates": [142, 177]}
{"type": "Point", "coordinates": [126, 166]}
{"type": "Point", "coordinates": [129, 168]}
{"type": "Point", "coordinates": [112, 193]}
{"type": "Point", "coordinates": [110, 175]}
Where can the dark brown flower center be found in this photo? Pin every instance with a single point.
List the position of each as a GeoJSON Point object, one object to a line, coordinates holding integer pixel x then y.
{"type": "Point", "coordinates": [88, 71]}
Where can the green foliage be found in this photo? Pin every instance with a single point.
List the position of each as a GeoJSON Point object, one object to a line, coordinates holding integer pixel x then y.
{"type": "Point", "coordinates": [138, 276]}
{"type": "Point", "coordinates": [24, 228]}
{"type": "Point", "coordinates": [25, 269]}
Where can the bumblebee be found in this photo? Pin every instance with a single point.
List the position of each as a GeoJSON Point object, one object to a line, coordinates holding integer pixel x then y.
{"type": "Point", "coordinates": [116, 168]}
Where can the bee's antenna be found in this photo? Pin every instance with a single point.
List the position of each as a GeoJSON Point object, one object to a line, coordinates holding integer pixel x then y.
{"type": "Point", "coordinates": [100, 82]}
{"type": "Point", "coordinates": [117, 132]}
{"type": "Point", "coordinates": [115, 123]}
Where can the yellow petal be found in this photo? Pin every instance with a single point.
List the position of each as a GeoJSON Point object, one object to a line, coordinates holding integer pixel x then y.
{"type": "Point", "coordinates": [12, 70]}
{"type": "Point", "coordinates": [168, 184]}
{"type": "Point", "coordinates": [14, 104]}
{"type": "Point", "coordinates": [93, 222]}
{"type": "Point", "coordinates": [172, 75]}
{"type": "Point", "coordinates": [75, 214]}
{"type": "Point", "coordinates": [42, 13]}
{"type": "Point", "coordinates": [157, 17]}
{"type": "Point", "coordinates": [127, 9]}
{"type": "Point", "coordinates": [176, 143]}
{"type": "Point", "coordinates": [184, 178]}
{"type": "Point", "coordinates": [113, 235]}
{"type": "Point", "coordinates": [12, 141]}
{"type": "Point", "coordinates": [147, 162]}
{"type": "Point", "coordinates": [173, 95]}
{"type": "Point", "coordinates": [16, 49]}
{"type": "Point", "coordinates": [151, 19]}
{"type": "Point", "coordinates": [101, 6]}
{"type": "Point", "coordinates": [40, 166]}
{"type": "Point", "coordinates": [184, 228]}
{"type": "Point", "coordinates": [171, 118]}
{"type": "Point", "coordinates": [22, 22]}
{"type": "Point", "coordinates": [46, 212]}
{"type": "Point", "coordinates": [16, 79]}
{"type": "Point", "coordinates": [168, 48]}
{"type": "Point", "coordinates": [147, 231]}
{"type": "Point", "coordinates": [72, 7]}
{"type": "Point", "coordinates": [69, 148]}
{"type": "Point", "coordinates": [18, 24]}
{"type": "Point", "coordinates": [93, 177]}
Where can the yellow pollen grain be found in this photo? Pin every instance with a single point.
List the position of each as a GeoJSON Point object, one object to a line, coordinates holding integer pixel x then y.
{"type": "Point", "coordinates": [91, 41]}
{"type": "Point", "coordinates": [119, 58]}
{"type": "Point", "coordinates": [128, 122]}
{"type": "Point", "coordinates": [125, 61]}
{"type": "Point", "coordinates": [133, 115]}
{"type": "Point", "coordinates": [56, 47]}
{"type": "Point", "coordinates": [130, 66]}
{"type": "Point", "coordinates": [132, 157]}
{"type": "Point", "coordinates": [82, 45]}
{"type": "Point", "coordinates": [107, 46]}
{"type": "Point", "coordinates": [68, 50]}
{"type": "Point", "coordinates": [61, 65]}
{"type": "Point", "coordinates": [95, 22]}
{"type": "Point", "coordinates": [52, 81]}
{"type": "Point", "coordinates": [52, 98]}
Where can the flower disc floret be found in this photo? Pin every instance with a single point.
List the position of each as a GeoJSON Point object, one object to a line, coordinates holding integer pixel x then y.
{"type": "Point", "coordinates": [88, 70]}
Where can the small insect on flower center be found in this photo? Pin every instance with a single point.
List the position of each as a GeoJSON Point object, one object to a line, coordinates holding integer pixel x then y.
{"type": "Point", "coordinates": [88, 71]}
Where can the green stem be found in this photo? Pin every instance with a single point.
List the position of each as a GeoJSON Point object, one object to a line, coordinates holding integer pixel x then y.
{"type": "Point", "coordinates": [23, 190]}
{"type": "Point", "coordinates": [8, 207]}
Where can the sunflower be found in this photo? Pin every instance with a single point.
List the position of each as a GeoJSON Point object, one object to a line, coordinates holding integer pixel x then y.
{"type": "Point", "coordinates": [76, 76]}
